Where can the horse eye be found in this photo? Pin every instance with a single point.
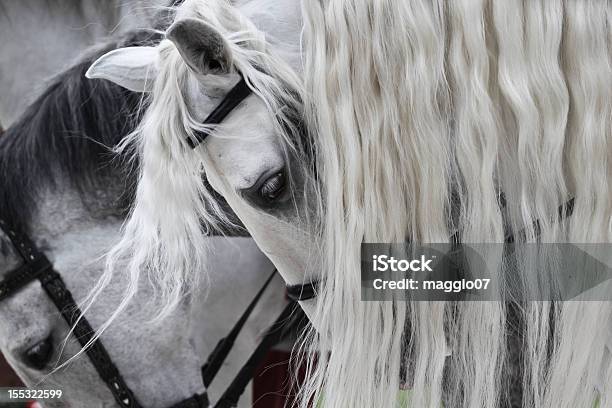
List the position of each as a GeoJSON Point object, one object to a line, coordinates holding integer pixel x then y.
{"type": "Point", "coordinates": [39, 355]}
{"type": "Point", "coordinates": [273, 187]}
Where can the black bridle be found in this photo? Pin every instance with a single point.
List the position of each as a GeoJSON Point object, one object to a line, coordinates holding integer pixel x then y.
{"type": "Point", "coordinates": [232, 99]}
{"type": "Point", "coordinates": [36, 266]}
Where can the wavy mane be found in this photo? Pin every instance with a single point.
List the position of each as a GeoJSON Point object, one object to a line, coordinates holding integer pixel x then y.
{"type": "Point", "coordinates": [424, 106]}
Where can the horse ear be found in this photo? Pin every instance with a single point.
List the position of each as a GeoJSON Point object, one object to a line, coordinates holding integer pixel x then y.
{"type": "Point", "coordinates": [133, 68]}
{"type": "Point", "coordinates": [202, 47]}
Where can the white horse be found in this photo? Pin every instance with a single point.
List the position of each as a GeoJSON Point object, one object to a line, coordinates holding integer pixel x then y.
{"type": "Point", "coordinates": [419, 116]}
{"type": "Point", "coordinates": [60, 183]}
{"type": "Point", "coordinates": [40, 38]}
{"type": "Point", "coordinates": [249, 167]}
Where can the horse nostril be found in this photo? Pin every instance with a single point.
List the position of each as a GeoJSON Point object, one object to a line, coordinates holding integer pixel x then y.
{"type": "Point", "coordinates": [39, 355]}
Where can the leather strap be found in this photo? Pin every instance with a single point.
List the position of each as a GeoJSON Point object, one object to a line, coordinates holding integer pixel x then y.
{"type": "Point", "coordinates": [290, 317]}
{"type": "Point", "coordinates": [224, 346]}
{"type": "Point", "coordinates": [305, 291]}
{"type": "Point", "coordinates": [196, 401]}
{"type": "Point", "coordinates": [82, 330]}
{"type": "Point", "coordinates": [233, 98]}
{"type": "Point", "coordinates": [20, 277]}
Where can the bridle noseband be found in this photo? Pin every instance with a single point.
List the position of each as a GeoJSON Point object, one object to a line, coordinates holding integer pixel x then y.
{"type": "Point", "coordinates": [304, 291]}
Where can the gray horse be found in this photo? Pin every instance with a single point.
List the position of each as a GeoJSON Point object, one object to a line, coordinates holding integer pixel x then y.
{"type": "Point", "coordinates": [60, 182]}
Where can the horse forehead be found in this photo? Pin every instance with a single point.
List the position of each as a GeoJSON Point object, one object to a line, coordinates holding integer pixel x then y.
{"type": "Point", "coordinates": [241, 161]}
{"type": "Point", "coordinates": [246, 146]}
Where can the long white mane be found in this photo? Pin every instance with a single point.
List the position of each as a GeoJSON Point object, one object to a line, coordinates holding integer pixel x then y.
{"type": "Point", "coordinates": [423, 107]}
